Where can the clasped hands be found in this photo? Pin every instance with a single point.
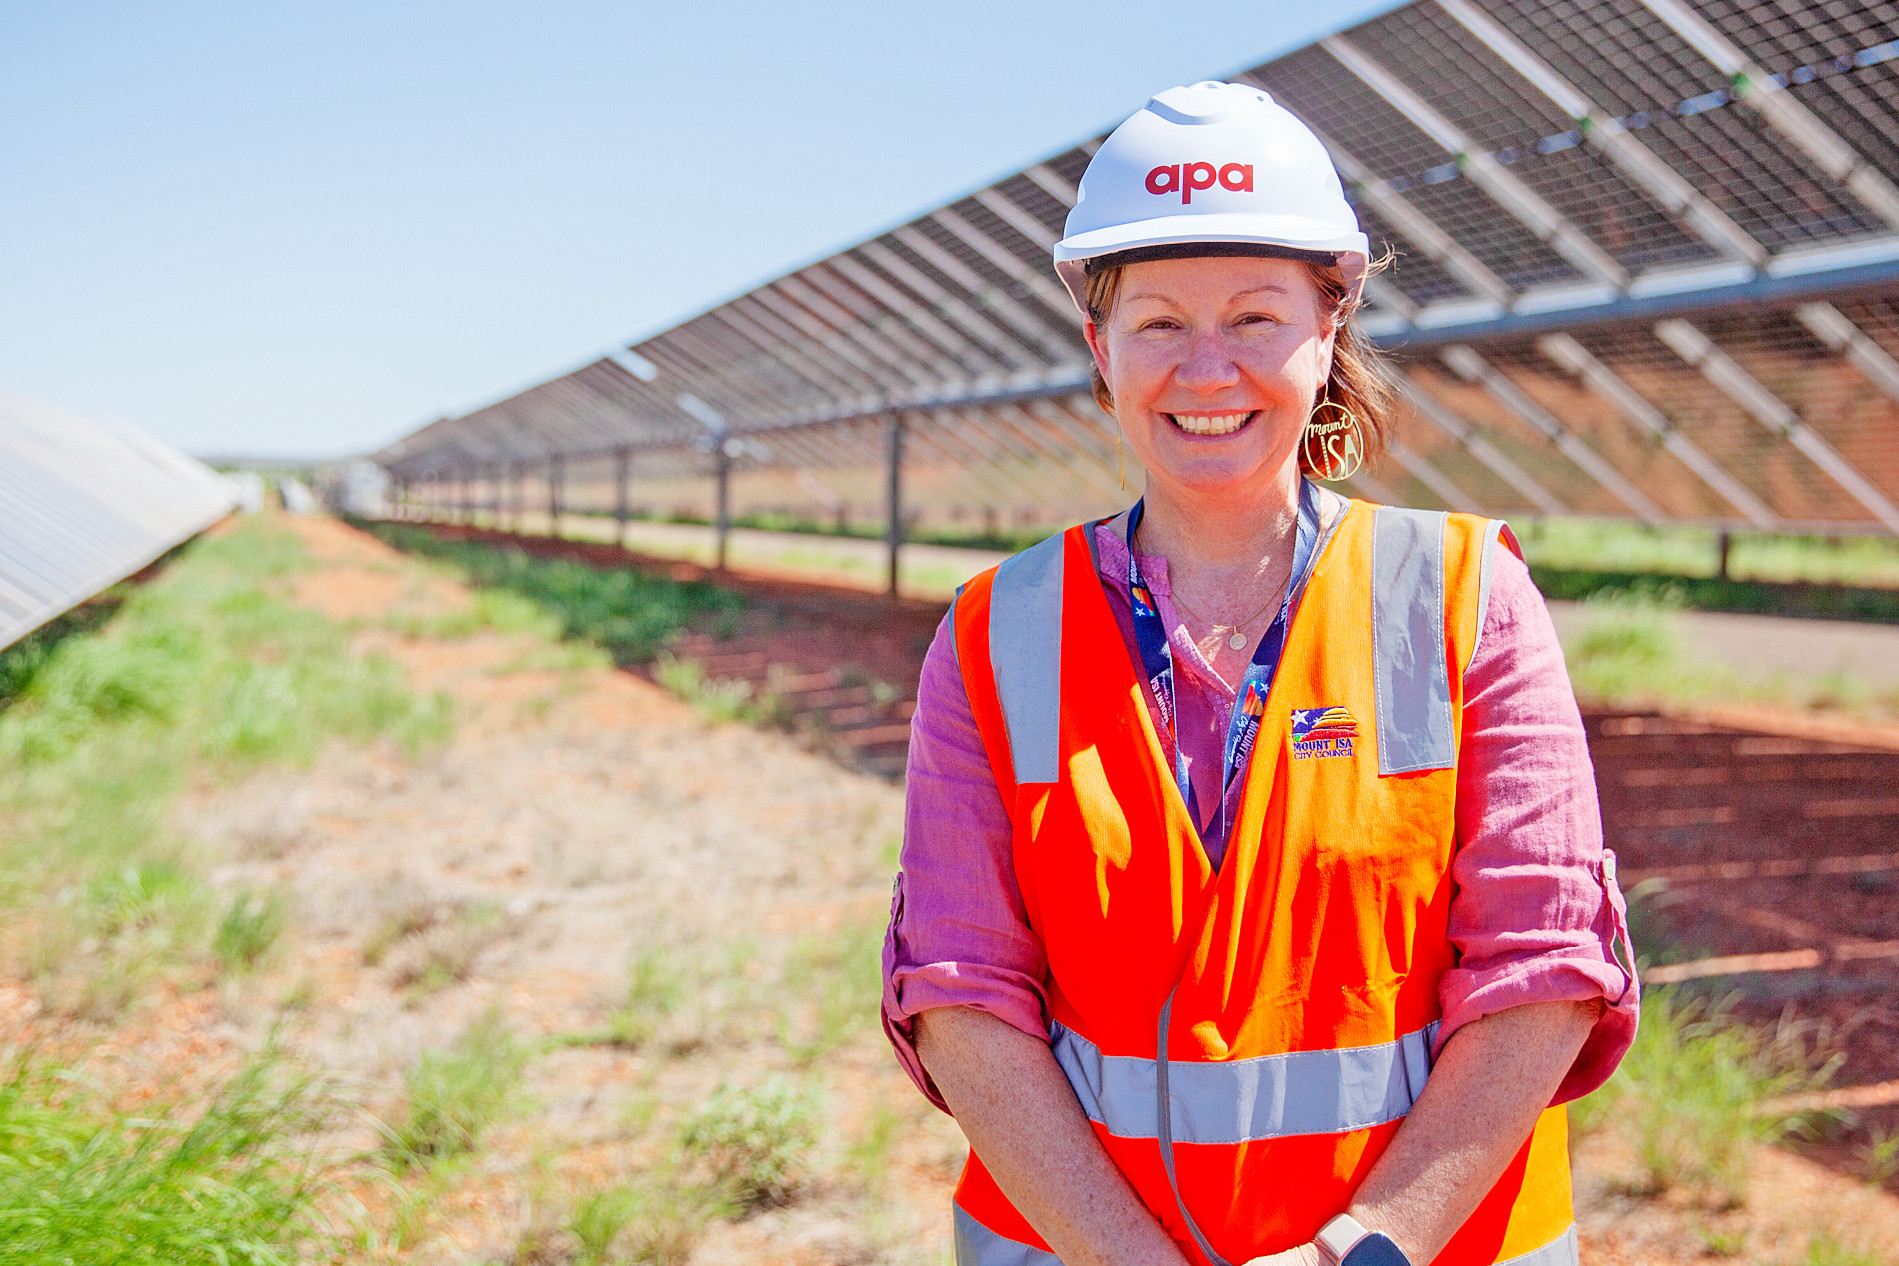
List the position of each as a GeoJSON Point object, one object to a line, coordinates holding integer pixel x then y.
{"type": "Point", "coordinates": [1303, 1255]}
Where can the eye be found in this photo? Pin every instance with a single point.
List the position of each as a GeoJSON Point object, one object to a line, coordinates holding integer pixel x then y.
{"type": "Point", "coordinates": [1158, 323]}
{"type": "Point", "coordinates": [1256, 318]}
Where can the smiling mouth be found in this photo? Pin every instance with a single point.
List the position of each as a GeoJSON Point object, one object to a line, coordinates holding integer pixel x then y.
{"type": "Point", "coordinates": [1218, 424]}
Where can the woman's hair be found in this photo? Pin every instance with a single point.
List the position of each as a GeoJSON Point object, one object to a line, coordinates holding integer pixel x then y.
{"type": "Point", "coordinates": [1357, 382]}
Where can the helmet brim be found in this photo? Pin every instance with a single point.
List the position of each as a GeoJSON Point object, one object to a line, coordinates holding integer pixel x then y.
{"type": "Point", "coordinates": [1353, 250]}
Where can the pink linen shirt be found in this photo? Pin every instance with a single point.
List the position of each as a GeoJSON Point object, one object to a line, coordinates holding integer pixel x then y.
{"type": "Point", "coordinates": [1536, 915]}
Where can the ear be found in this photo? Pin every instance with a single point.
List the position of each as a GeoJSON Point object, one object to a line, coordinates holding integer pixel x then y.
{"type": "Point", "coordinates": [1097, 346]}
{"type": "Point", "coordinates": [1327, 347]}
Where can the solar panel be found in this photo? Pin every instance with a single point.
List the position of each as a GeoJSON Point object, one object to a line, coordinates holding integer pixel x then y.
{"type": "Point", "coordinates": [1646, 263]}
{"type": "Point", "coordinates": [85, 504]}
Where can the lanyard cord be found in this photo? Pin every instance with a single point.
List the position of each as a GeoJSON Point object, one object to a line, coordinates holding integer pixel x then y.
{"type": "Point", "coordinates": [1249, 704]}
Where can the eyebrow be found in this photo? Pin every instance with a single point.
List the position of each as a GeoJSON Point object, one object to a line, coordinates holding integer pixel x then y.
{"type": "Point", "coordinates": [1253, 290]}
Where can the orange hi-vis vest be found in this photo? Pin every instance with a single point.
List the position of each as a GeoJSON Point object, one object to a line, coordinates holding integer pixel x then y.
{"type": "Point", "coordinates": [1295, 989]}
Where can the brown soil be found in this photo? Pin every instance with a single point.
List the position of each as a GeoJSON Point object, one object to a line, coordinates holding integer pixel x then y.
{"type": "Point", "coordinates": [1728, 784]}
{"type": "Point", "coordinates": [584, 815]}
{"type": "Point", "coordinates": [587, 815]}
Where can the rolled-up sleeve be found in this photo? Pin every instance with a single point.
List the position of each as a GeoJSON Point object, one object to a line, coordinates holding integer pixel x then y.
{"type": "Point", "coordinates": [959, 934]}
{"type": "Point", "coordinates": [1537, 914]}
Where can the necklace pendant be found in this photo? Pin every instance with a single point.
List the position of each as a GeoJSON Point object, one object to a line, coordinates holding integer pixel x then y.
{"type": "Point", "coordinates": [1237, 641]}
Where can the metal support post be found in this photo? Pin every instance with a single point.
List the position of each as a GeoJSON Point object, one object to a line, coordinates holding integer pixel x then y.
{"type": "Point", "coordinates": [1725, 544]}
{"type": "Point", "coordinates": [893, 497]}
{"type": "Point", "coordinates": [722, 465]}
{"type": "Point", "coordinates": [554, 474]}
{"type": "Point", "coordinates": [622, 471]}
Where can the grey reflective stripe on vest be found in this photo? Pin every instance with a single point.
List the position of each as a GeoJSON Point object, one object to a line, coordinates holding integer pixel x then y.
{"type": "Point", "coordinates": [1025, 649]}
{"type": "Point", "coordinates": [977, 1245]}
{"type": "Point", "coordinates": [1410, 673]}
{"type": "Point", "coordinates": [1561, 1251]}
{"type": "Point", "coordinates": [1239, 1100]}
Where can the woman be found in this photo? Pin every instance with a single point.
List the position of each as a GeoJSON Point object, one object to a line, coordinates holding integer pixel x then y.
{"type": "Point", "coordinates": [1253, 901]}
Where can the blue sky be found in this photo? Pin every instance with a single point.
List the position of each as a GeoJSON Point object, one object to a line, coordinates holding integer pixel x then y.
{"type": "Point", "coordinates": [305, 229]}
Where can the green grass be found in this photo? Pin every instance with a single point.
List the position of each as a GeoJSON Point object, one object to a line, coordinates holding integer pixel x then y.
{"type": "Point", "coordinates": [1630, 653]}
{"type": "Point", "coordinates": [249, 929]}
{"type": "Point", "coordinates": [201, 674]}
{"type": "Point", "coordinates": [1626, 547]}
{"type": "Point", "coordinates": [21, 662]}
{"type": "Point", "coordinates": [1824, 1250]}
{"type": "Point", "coordinates": [1688, 1098]}
{"type": "Point", "coordinates": [1848, 579]}
{"type": "Point", "coordinates": [489, 610]}
{"type": "Point", "coordinates": [652, 1220]}
{"type": "Point", "coordinates": [195, 677]}
{"type": "Point", "coordinates": [633, 615]}
{"type": "Point", "coordinates": [1629, 650]}
{"type": "Point", "coordinates": [757, 1141]}
{"type": "Point", "coordinates": [166, 1184]}
{"type": "Point", "coordinates": [720, 698]}
{"type": "Point", "coordinates": [659, 983]}
{"type": "Point", "coordinates": [230, 673]}
{"type": "Point", "coordinates": [455, 1096]}
{"type": "Point", "coordinates": [839, 978]}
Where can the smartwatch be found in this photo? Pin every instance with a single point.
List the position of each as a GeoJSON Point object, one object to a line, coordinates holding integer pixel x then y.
{"type": "Point", "coordinates": [1344, 1241]}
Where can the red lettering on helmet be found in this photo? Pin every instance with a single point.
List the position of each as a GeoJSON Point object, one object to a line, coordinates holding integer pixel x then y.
{"type": "Point", "coordinates": [1188, 178]}
{"type": "Point", "coordinates": [1195, 176]}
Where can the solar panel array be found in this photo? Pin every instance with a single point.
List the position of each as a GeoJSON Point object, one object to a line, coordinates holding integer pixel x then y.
{"type": "Point", "coordinates": [85, 504]}
{"type": "Point", "coordinates": [1646, 264]}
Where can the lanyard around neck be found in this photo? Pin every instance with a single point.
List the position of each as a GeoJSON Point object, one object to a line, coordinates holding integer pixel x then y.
{"type": "Point", "coordinates": [1249, 705]}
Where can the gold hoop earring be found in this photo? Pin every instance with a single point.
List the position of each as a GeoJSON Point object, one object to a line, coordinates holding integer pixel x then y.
{"type": "Point", "coordinates": [1334, 448]}
{"type": "Point", "coordinates": [1121, 461]}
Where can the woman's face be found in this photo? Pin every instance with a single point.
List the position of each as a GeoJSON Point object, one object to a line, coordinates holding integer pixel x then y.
{"type": "Point", "coordinates": [1214, 365]}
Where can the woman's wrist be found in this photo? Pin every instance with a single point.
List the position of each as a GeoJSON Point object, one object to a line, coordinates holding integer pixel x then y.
{"type": "Point", "coordinates": [1348, 1241]}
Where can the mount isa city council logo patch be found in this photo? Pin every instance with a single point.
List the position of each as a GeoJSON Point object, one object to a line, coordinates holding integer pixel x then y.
{"type": "Point", "coordinates": [1321, 732]}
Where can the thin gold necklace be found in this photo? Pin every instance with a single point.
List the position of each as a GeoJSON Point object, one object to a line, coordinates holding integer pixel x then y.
{"type": "Point", "coordinates": [1238, 640]}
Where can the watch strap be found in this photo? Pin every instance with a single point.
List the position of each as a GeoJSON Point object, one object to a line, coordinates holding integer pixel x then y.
{"type": "Point", "coordinates": [1344, 1241]}
{"type": "Point", "coordinates": [1337, 1237]}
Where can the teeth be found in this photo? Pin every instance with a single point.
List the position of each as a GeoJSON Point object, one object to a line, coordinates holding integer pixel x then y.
{"type": "Point", "coordinates": [1224, 424]}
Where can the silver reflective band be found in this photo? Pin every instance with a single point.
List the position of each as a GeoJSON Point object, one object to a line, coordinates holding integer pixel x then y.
{"type": "Point", "coordinates": [976, 1245]}
{"type": "Point", "coordinates": [1409, 669]}
{"type": "Point", "coordinates": [1561, 1251]}
{"type": "Point", "coordinates": [1025, 649]}
{"type": "Point", "coordinates": [1241, 1100]}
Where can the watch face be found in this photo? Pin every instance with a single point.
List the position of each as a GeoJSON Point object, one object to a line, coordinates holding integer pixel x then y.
{"type": "Point", "coordinates": [1375, 1250]}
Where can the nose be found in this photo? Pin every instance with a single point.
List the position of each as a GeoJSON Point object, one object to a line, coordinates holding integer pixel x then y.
{"type": "Point", "coordinates": [1207, 367]}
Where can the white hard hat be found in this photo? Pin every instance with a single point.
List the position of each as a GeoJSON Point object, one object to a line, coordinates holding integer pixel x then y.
{"type": "Point", "coordinates": [1217, 166]}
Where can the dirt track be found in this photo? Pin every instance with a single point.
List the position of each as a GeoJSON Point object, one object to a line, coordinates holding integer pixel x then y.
{"type": "Point", "coordinates": [582, 815]}
{"type": "Point", "coordinates": [586, 816]}
{"type": "Point", "coordinates": [1810, 791]}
